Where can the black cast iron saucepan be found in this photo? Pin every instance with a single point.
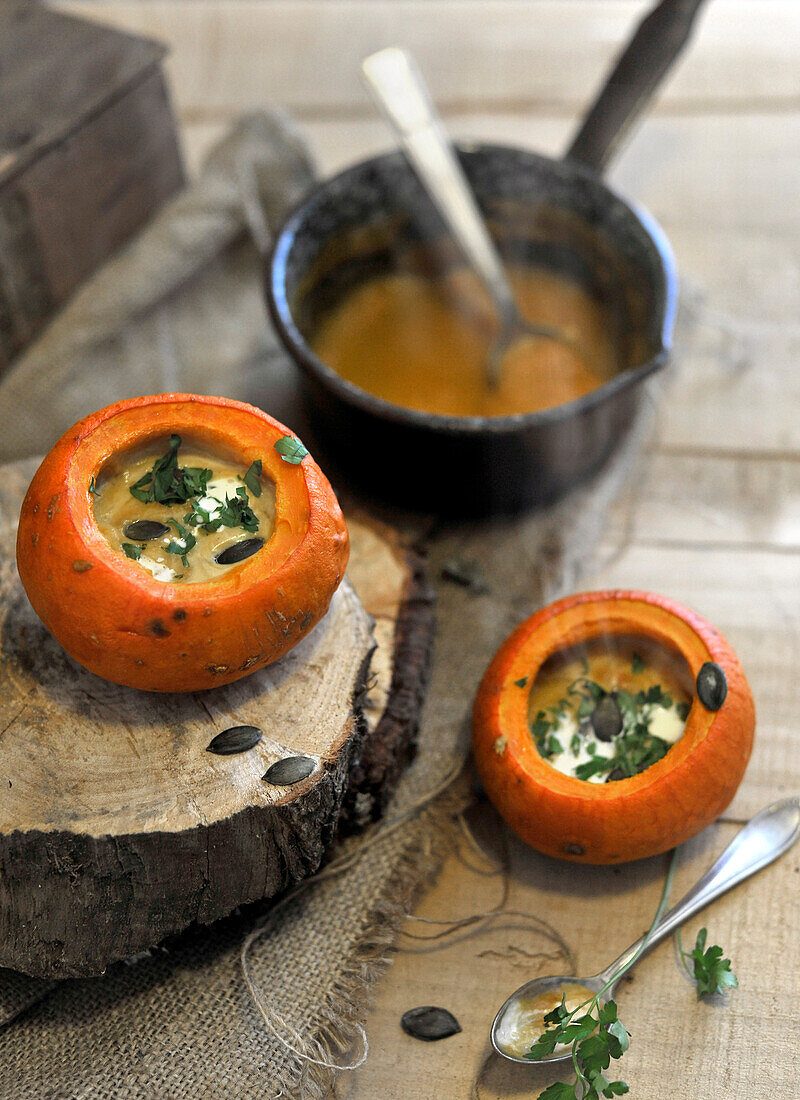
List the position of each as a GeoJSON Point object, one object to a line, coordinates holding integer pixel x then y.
{"type": "Point", "coordinates": [374, 218]}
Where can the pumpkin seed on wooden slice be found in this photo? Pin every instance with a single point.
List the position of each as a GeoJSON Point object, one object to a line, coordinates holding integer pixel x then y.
{"type": "Point", "coordinates": [143, 530]}
{"type": "Point", "coordinates": [235, 739]}
{"type": "Point", "coordinates": [239, 551]}
{"type": "Point", "coordinates": [429, 1023]}
{"type": "Point", "coordinates": [283, 773]}
{"type": "Point", "coordinates": [712, 685]}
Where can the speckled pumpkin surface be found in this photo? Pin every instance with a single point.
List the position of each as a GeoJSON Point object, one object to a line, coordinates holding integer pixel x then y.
{"type": "Point", "coordinates": [630, 818]}
{"type": "Point", "coordinates": [121, 623]}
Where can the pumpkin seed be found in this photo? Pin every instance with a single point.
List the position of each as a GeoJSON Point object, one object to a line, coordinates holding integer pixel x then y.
{"type": "Point", "coordinates": [467, 573]}
{"type": "Point", "coordinates": [235, 739]}
{"type": "Point", "coordinates": [143, 530]}
{"type": "Point", "coordinates": [712, 686]}
{"type": "Point", "coordinates": [429, 1023]}
{"type": "Point", "coordinates": [239, 551]}
{"type": "Point", "coordinates": [615, 774]}
{"type": "Point", "coordinates": [283, 773]}
{"type": "Point", "coordinates": [606, 719]}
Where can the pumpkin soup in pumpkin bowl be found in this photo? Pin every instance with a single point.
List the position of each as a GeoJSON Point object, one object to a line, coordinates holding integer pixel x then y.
{"type": "Point", "coordinates": [179, 542]}
{"type": "Point", "coordinates": [612, 726]}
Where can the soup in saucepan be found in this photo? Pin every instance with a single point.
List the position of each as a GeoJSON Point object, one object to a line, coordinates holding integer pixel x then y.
{"type": "Point", "coordinates": [423, 343]}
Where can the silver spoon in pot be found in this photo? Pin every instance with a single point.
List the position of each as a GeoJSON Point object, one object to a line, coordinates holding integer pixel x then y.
{"type": "Point", "coordinates": [765, 837]}
{"type": "Point", "coordinates": [391, 75]}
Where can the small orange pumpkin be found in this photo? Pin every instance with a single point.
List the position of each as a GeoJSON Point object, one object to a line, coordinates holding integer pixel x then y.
{"type": "Point", "coordinates": [114, 618]}
{"type": "Point", "coordinates": [648, 813]}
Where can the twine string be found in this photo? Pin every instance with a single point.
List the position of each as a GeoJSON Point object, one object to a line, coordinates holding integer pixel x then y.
{"type": "Point", "coordinates": [306, 1047]}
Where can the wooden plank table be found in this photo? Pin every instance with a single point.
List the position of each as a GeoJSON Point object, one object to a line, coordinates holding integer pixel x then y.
{"type": "Point", "coordinates": [716, 521]}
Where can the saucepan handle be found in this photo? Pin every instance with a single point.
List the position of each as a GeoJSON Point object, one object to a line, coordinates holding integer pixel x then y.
{"type": "Point", "coordinates": [633, 81]}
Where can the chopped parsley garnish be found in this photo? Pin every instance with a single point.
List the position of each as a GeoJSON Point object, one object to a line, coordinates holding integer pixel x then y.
{"type": "Point", "coordinates": [552, 746]}
{"type": "Point", "coordinates": [93, 487]}
{"type": "Point", "coordinates": [131, 551]}
{"type": "Point", "coordinates": [291, 450]}
{"type": "Point", "coordinates": [252, 478]}
{"type": "Point", "coordinates": [635, 748]}
{"type": "Point", "coordinates": [169, 483]}
{"type": "Point", "coordinates": [592, 767]}
{"type": "Point", "coordinates": [183, 544]}
{"type": "Point", "coordinates": [540, 728]}
{"type": "Point", "coordinates": [235, 512]}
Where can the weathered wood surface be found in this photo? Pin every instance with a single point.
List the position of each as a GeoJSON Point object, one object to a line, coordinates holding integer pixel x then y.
{"type": "Point", "coordinates": [229, 54]}
{"type": "Point", "coordinates": [681, 1048]}
{"type": "Point", "coordinates": [117, 828]}
{"type": "Point", "coordinates": [88, 152]}
{"type": "Point", "coordinates": [392, 583]}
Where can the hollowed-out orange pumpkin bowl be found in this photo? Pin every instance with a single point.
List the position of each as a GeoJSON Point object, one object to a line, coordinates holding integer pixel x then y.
{"type": "Point", "coordinates": [626, 819]}
{"type": "Point", "coordinates": [118, 621]}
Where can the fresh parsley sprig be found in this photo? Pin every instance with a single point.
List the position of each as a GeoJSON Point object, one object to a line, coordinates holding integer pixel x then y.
{"type": "Point", "coordinates": [593, 1030]}
{"type": "Point", "coordinates": [708, 969]}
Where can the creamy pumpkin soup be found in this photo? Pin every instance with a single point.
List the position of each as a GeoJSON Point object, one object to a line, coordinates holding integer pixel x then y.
{"type": "Point", "coordinates": [184, 515]}
{"type": "Point", "coordinates": [609, 710]}
{"type": "Point", "coordinates": [424, 343]}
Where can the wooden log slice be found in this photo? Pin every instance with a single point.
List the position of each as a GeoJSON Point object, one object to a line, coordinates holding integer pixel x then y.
{"type": "Point", "coordinates": [393, 584]}
{"type": "Point", "coordinates": [118, 828]}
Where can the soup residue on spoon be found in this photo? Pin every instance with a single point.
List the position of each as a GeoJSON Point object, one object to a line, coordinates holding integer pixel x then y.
{"type": "Point", "coordinates": [424, 343]}
{"type": "Point", "coordinates": [523, 1021]}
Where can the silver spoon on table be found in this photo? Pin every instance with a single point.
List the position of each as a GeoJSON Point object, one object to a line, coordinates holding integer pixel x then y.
{"type": "Point", "coordinates": [765, 837]}
{"type": "Point", "coordinates": [394, 80]}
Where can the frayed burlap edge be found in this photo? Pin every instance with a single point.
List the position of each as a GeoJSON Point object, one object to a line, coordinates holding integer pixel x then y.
{"type": "Point", "coordinates": [336, 1028]}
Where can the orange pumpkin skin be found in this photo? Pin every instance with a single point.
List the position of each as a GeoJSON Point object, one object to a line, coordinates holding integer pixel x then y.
{"type": "Point", "coordinates": [114, 618]}
{"type": "Point", "coordinates": [630, 818]}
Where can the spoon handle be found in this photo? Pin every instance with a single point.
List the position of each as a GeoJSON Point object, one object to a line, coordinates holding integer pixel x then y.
{"type": "Point", "coordinates": [395, 82]}
{"type": "Point", "coordinates": [765, 837]}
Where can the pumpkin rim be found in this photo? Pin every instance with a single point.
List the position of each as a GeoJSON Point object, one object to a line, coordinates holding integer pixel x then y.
{"type": "Point", "coordinates": [557, 625]}
{"type": "Point", "coordinates": [90, 452]}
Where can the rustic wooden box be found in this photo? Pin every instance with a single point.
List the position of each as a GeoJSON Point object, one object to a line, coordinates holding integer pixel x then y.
{"type": "Point", "coordinates": [88, 151]}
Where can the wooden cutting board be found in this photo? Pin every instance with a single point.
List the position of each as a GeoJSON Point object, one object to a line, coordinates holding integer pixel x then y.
{"type": "Point", "coordinates": [118, 828]}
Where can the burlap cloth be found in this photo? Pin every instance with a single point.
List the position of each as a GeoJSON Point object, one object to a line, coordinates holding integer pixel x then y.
{"type": "Point", "coordinates": [182, 309]}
